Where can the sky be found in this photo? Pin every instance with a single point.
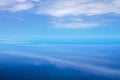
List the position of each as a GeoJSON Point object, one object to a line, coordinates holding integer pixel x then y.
{"type": "Point", "coordinates": [60, 20]}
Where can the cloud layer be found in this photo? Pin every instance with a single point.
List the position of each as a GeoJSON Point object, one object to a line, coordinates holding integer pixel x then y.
{"type": "Point", "coordinates": [60, 8]}
{"type": "Point", "coordinates": [63, 9]}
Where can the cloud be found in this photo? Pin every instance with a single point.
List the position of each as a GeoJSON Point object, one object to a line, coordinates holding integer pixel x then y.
{"type": "Point", "coordinates": [17, 5]}
{"type": "Point", "coordinates": [72, 23]}
{"type": "Point", "coordinates": [78, 8]}
{"type": "Point", "coordinates": [20, 7]}
{"type": "Point", "coordinates": [60, 8]}
{"type": "Point", "coordinates": [75, 25]}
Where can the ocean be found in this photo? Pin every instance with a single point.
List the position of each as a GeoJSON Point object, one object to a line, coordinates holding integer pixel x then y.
{"type": "Point", "coordinates": [59, 61]}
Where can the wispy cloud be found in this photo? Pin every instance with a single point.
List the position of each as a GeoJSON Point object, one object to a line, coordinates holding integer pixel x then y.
{"type": "Point", "coordinates": [78, 8]}
{"type": "Point", "coordinates": [62, 8]}
{"type": "Point", "coordinates": [75, 25]}
{"type": "Point", "coordinates": [17, 5]}
{"type": "Point", "coordinates": [72, 22]}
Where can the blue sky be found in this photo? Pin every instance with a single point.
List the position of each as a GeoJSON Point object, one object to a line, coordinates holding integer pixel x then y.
{"type": "Point", "coordinates": [59, 20]}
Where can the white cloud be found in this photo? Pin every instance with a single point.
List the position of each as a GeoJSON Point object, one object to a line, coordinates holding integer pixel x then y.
{"type": "Point", "coordinates": [78, 8]}
{"type": "Point", "coordinates": [75, 23]}
{"type": "Point", "coordinates": [17, 5]}
{"type": "Point", "coordinates": [60, 8]}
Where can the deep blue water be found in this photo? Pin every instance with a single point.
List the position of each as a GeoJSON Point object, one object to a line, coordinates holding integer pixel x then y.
{"type": "Point", "coordinates": [59, 62]}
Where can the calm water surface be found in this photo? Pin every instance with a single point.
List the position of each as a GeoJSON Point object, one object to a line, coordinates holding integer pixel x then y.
{"type": "Point", "coordinates": [59, 62]}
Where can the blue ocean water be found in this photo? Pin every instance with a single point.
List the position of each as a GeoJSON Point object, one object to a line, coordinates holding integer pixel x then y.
{"type": "Point", "coordinates": [59, 62]}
